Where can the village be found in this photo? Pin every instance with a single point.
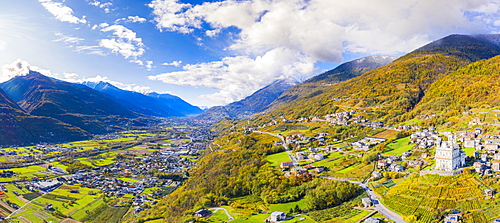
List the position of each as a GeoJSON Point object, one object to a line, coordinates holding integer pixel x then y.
{"type": "Point", "coordinates": [128, 169]}
{"type": "Point", "coordinates": [420, 150]}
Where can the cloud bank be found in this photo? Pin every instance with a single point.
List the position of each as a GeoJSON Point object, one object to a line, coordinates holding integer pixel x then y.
{"type": "Point", "coordinates": [61, 12]}
{"type": "Point", "coordinates": [20, 68]}
{"type": "Point", "coordinates": [277, 39]}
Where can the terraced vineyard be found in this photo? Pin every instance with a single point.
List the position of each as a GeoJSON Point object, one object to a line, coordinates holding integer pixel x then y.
{"type": "Point", "coordinates": [428, 197]}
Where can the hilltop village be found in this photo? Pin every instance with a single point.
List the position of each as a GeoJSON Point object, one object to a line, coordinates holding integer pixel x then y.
{"type": "Point", "coordinates": [383, 156]}
{"type": "Point", "coordinates": [427, 146]}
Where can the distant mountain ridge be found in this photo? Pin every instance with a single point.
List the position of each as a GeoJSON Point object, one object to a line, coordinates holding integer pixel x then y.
{"type": "Point", "coordinates": [77, 105]}
{"type": "Point", "coordinates": [316, 85]}
{"type": "Point", "coordinates": [154, 104]}
{"type": "Point", "coordinates": [18, 128]}
{"type": "Point", "coordinates": [176, 103]}
{"type": "Point", "coordinates": [351, 69]}
{"type": "Point", "coordinates": [257, 102]}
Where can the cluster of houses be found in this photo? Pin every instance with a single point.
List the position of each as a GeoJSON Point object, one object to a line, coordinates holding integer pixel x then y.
{"type": "Point", "coordinates": [366, 143]}
{"type": "Point", "coordinates": [426, 138]}
{"type": "Point", "coordinates": [339, 118]}
{"type": "Point", "coordinates": [389, 163]}
{"type": "Point", "coordinates": [299, 139]}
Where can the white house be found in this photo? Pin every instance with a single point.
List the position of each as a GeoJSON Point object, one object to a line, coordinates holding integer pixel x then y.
{"type": "Point", "coordinates": [277, 216]}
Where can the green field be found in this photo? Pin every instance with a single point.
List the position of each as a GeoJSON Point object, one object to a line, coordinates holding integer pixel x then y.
{"type": "Point", "coordinates": [27, 173]}
{"type": "Point", "coordinates": [130, 180]}
{"type": "Point", "coordinates": [469, 151]}
{"type": "Point", "coordinates": [285, 207]}
{"type": "Point", "coordinates": [350, 168]}
{"type": "Point", "coordinates": [398, 147]}
{"type": "Point", "coordinates": [278, 158]}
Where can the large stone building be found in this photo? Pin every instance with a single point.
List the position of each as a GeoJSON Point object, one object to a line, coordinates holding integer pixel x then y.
{"type": "Point", "coordinates": [449, 156]}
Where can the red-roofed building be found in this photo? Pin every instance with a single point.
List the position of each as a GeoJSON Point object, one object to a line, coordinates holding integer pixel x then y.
{"type": "Point", "coordinates": [286, 164]}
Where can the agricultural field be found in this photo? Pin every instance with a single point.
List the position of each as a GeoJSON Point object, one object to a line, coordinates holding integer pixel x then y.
{"type": "Point", "coordinates": [355, 171]}
{"type": "Point", "coordinates": [29, 172]}
{"type": "Point", "coordinates": [387, 134]}
{"type": "Point", "coordinates": [398, 147]}
{"type": "Point", "coordinates": [278, 158]}
{"type": "Point", "coordinates": [107, 177]}
{"type": "Point", "coordinates": [426, 196]}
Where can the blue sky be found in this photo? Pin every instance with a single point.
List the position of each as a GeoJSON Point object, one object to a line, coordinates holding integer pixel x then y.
{"type": "Point", "coordinates": [215, 52]}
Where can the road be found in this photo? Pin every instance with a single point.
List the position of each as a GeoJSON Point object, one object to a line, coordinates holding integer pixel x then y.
{"type": "Point", "coordinates": [227, 213]}
{"type": "Point", "coordinates": [378, 206]}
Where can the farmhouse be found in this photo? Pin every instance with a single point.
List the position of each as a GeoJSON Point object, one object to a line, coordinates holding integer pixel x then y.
{"type": "Point", "coordinates": [276, 216]}
{"type": "Point", "coordinates": [202, 213]}
{"type": "Point", "coordinates": [286, 164]}
{"type": "Point", "coordinates": [453, 217]}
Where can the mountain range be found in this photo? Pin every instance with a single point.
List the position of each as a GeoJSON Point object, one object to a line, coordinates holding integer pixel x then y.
{"type": "Point", "coordinates": [154, 104]}
{"type": "Point", "coordinates": [36, 108]}
{"type": "Point", "coordinates": [393, 89]}
{"type": "Point", "coordinates": [286, 90]}
{"type": "Point", "coordinates": [257, 102]}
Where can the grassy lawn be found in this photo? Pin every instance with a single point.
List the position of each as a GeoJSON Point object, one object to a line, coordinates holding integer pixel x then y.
{"type": "Point", "coordinates": [150, 190]}
{"type": "Point", "coordinates": [352, 167]}
{"type": "Point", "coordinates": [58, 164]}
{"type": "Point", "coordinates": [357, 171]}
{"type": "Point", "coordinates": [469, 151]}
{"type": "Point", "coordinates": [252, 218]}
{"type": "Point", "coordinates": [130, 180]}
{"type": "Point", "coordinates": [31, 217]}
{"type": "Point", "coordinates": [398, 147]}
{"type": "Point", "coordinates": [326, 162]}
{"type": "Point", "coordinates": [278, 158]}
{"type": "Point", "coordinates": [219, 216]}
{"type": "Point", "coordinates": [285, 207]}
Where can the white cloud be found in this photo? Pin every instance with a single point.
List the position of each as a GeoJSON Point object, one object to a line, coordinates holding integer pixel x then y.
{"type": "Point", "coordinates": [319, 30]}
{"type": "Point", "coordinates": [95, 50]}
{"type": "Point", "coordinates": [106, 6]}
{"type": "Point", "coordinates": [125, 42]}
{"type": "Point", "coordinates": [176, 63]}
{"type": "Point", "coordinates": [61, 12]}
{"type": "Point", "coordinates": [68, 39]}
{"type": "Point", "coordinates": [237, 77]}
{"type": "Point", "coordinates": [131, 19]}
{"type": "Point", "coordinates": [70, 76]}
{"type": "Point", "coordinates": [20, 68]}
{"type": "Point", "coordinates": [149, 65]}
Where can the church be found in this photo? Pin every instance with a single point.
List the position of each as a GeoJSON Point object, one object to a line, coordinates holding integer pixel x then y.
{"type": "Point", "coordinates": [449, 156]}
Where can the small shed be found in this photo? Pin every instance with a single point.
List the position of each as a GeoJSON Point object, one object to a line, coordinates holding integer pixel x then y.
{"type": "Point", "coordinates": [367, 202]}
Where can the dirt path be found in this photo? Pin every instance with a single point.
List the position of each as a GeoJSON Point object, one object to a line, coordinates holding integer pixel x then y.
{"type": "Point", "coordinates": [227, 213]}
